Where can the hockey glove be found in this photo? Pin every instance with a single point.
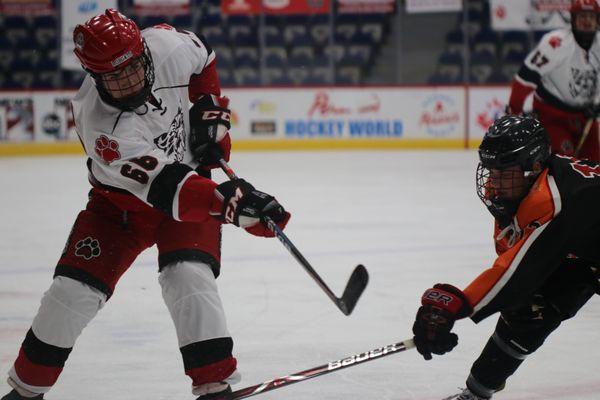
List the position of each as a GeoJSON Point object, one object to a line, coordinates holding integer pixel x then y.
{"type": "Point", "coordinates": [242, 205]}
{"type": "Point", "coordinates": [209, 130]}
{"type": "Point", "coordinates": [441, 306]}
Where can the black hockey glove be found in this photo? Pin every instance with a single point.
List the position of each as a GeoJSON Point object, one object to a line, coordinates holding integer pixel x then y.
{"type": "Point", "coordinates": [209, 130]}
{"type": "Point", "coordinates": [244, 206]}
{"type": "Point", "coordinates": [441, 306]}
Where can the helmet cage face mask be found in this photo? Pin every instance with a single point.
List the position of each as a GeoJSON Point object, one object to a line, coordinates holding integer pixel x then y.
{"type": "Point", "coordinates": [124, 83]}
{"type": "Point", "coordinates": [509, 154]}
{"type": "Point", "coordinates": [585, 39]}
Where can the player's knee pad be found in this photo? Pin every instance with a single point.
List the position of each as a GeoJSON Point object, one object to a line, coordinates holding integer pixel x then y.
{"type": "Point", "coordinates": [66, 308]}
{"type": "Point", "coordinates": [190, 292]}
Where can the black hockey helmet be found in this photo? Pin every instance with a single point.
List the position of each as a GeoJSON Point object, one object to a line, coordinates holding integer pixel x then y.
{"type": "Point", "coordinates": [513, 152]}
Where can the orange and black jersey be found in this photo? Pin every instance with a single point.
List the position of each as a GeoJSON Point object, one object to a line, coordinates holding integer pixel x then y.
{"type": "Point", "coordinates": [559, 217]}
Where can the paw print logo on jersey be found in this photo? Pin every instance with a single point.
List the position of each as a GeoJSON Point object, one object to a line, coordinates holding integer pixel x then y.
{"type": "Point", "coordinates": [107, 149]}
{"type": "Point", "coordinates": [87, 248]}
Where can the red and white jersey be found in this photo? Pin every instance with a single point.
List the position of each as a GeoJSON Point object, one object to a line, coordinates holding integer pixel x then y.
{"type": "Point", "coordinates": [562, 73]}
{"type": "Point", "coordinates": [146, 152]}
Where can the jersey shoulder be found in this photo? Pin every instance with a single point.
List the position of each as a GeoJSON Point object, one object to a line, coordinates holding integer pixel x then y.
{"type": "Point", "coordinates": [171, 47]}
{"type": "Point", "coordinates": [557, 41]}
{"type": "Point", "coordinates": [574, 176]}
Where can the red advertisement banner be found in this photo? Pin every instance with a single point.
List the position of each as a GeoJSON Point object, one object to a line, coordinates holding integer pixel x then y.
{"type": "Point", "coordinates": [26, 7]}
{"type": "Point", "coordinates": [275, 6]}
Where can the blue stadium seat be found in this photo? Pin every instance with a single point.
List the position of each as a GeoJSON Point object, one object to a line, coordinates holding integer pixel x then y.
{"type": "Point", "coordinates": [277, 77]}
{"type": "Point", "coordinates": [216, 37]}
{"type": "Point", "coordinates": [245, 53]}
{"type": "Point", "coordinates": [246, 76]}
{"type": "Point", "coordinates": [455, 41]}
{"type": "Point", "coordinates": [321, 61]}
{"type": "Point", "coordinates": [374, 31]}
{"type": "Point", "coordinates": [320, 75]}
{"type": "Point", "coordinates": [295, 35]}
{"type": "Point", "coordinates": [336, 51]}
{"type": "Point", "coordinates": [274, 37]}
{"type": "Point", "coordinates": [450, 64]}
{"type": "Point", "coordinates": [344, 32]}
{"type": "Point", "coordinates": [514, 41]}
{"type": "Point", "coordinates": [515, 57]}
{"type": "Point", "coordinates": [225, 77]}
{"type": "Point", "coordinates": [299, 60]}
{"type": "Point", "coordinates": [275, 56]}
{"type": "Point", "coordinates": [485, 40]}
{"type": "Point", "coordinates": [46, 64]}
{"type": "Point", "coordinates": [348, 76]}
{"type": "Point", "coordinates": [498, 76]}
{"type": "Point", "coordinates": [45, 21]}
{"type": "Point", "coordinates": [298, 76]}
{"type": "Point", "coordinates": [183, 22]}
{"type": "Point", "coordinates": [482, 66]}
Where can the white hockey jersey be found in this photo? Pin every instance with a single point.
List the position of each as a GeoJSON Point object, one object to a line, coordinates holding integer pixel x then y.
{"type": "Point", "coordinates": [563, 74]}
{"type": "Point", "coordinates": [146, 152]}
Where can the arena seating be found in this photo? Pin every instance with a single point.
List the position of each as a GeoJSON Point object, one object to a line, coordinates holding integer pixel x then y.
{"type": "Point", "coordinates": [291, 50]}
{"type": "Point", "coordinates": [495, 57]}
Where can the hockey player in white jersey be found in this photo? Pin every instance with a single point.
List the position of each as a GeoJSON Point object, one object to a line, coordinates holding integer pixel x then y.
{"type": "Point", "coordinates": [149, 168]}
{"type": "Point", "coordinates": [563, 71]}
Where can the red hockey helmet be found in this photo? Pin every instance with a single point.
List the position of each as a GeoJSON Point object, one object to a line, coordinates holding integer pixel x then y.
{"type": "Point", "coordinates": [108, 43]}
{"type": "Point", "coordinates": [585, 5]}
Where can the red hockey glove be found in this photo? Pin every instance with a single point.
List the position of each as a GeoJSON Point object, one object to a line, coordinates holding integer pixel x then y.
{"type": "Point", "coordinates": [209, 130]}
{"type": "Point", "coordinates": [240, 204]}
{"type": "Point", "coordinates": [441, 306]}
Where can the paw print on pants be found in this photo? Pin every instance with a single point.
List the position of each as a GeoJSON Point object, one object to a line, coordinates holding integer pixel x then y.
{"type": "Point", "coordinates": [87, 248]}
{"type": "Point", "coordinates": [107, 149]}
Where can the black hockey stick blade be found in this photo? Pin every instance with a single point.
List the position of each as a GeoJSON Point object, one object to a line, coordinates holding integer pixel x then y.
{"type": "Point", "coordinates": [354, 289]}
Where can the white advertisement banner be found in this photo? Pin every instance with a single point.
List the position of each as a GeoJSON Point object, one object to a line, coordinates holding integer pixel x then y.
{"type": "Point", "coordinates": [540, 15]}
{"type": "Point", "coordinates": [53, 116]}
{"type": "Point", "coordinates": [16, 117]}
{"type": "Point", "coordinates": [427, 6]}
{"type": "Point", "coordinates": [38, 116]}
{"type": "Point", "coordinates": [348, 113]}
{"type": "Point", "coordinates": [486, 104]}
{"type": "Point", "coordinates": [276, 113]}
{"type": "Point", "coordinates": [75, 12]}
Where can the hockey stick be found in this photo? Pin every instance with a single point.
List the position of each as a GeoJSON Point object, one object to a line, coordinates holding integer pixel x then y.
{"type": "Point", "coordinates": [586, 131]}
{"type": "Point", "coordinates": [328, 368]}
{"type": "Point", "coordinates": [357, 282]}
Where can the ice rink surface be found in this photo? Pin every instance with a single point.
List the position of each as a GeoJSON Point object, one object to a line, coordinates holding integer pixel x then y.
{"type": "Point", "coordinates": [412, 218]}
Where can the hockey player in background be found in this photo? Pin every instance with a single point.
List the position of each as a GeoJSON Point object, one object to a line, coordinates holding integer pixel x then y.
{"type": "Point", "coordinates": [148, 166]}
{"type": "Point", "coordinates": [547, 236]}
{"type": "Point", "coordinates": [563, 70]}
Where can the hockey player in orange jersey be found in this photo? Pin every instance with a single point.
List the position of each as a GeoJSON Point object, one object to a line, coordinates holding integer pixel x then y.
{"type": "Point", "coordinates": [547, 236]}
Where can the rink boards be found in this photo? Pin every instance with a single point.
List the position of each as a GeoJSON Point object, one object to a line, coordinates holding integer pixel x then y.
{"type": "Point", "coordinates": [290, 118]}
